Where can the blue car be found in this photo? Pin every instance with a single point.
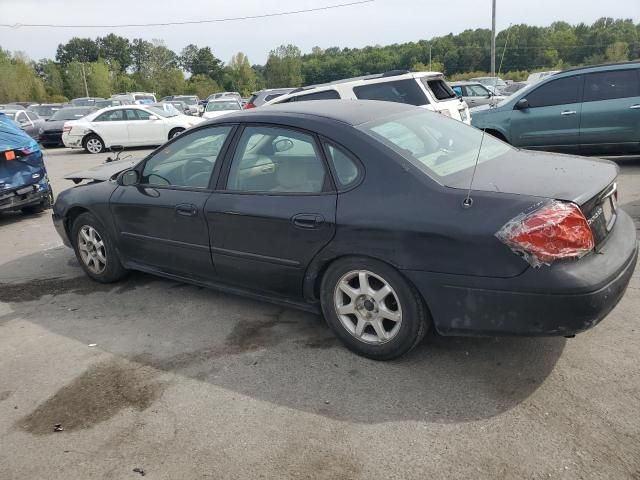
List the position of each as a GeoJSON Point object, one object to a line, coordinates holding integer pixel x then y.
{"type": "Point", "coordinates": [24, 184]}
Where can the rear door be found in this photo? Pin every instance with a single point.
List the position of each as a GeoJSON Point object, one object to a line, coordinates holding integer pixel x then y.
{"type": "Point", "coordinates": [552, 121]}
{"type": "Point", "coordinates": [610, 121]}
{"type": "Point", "coordinates": [273, 211]}
{"type": "Point", "coordinates": [161, 221]}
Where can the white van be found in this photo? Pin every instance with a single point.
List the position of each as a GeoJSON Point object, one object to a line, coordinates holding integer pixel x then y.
{"type": "Point", "coordinates": [424, 89]}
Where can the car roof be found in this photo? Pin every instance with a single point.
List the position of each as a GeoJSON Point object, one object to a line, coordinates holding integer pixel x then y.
{"type": "Point", "coordinates": [599, 68]}
{"type": "Point", "coordinates": [464, 82]}
{"type": "Point", "coordinates": [351, 112]}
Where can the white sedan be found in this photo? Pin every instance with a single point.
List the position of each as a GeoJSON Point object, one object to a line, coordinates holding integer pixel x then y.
{"type": "Point", "coordinates": [126, 126]}
{"type": "Point", "coordinates": [221, 106]}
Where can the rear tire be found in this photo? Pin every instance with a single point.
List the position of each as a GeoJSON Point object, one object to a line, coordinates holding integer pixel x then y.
{"type": "Point", "coordinates": [95, 250]}
{"type": "Point", "coordinates": [372, 308]}
{"type": "Point", "coordinates": [175, 132]}
{"type": "Point", "coordinates": [93, 144]}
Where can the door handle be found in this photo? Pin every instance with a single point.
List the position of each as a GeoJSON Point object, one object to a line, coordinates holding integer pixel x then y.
{"type": "Point", "coordinates": [635, 107]}
{"type": "Point", "coordinates": [307, 220]}
{"type": "Point", "coordinates": [186, 210]}
{"type": "Point", "coordinates": [568, 112]}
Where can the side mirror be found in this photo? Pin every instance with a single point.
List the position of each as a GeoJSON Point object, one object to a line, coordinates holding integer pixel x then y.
{"type": "Point", "coordinates": [128, 177]}
{"type": "Point", "coordinates": [522, 104]}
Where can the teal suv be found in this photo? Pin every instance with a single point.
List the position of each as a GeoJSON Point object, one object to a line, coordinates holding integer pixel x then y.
{"type": "Point", "coordinates": [589, 110]}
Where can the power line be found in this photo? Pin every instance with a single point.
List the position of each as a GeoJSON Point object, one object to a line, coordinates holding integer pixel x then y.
{"type": "Point", "coordinates": [189, 22]}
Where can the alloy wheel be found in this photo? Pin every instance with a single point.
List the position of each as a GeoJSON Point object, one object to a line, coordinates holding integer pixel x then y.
{"type": "Point", "coordinates": [367, 307]}
{"type": "Point", "coordinates": [94, 145]}
{"type": "Point", "coordinates": [92, 249]}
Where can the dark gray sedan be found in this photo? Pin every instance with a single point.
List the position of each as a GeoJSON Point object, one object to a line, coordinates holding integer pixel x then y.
{"type": "Point", "coordinates": [364, 211]}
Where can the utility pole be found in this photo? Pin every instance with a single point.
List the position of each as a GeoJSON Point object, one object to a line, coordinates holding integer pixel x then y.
{"type": "Point", "coordinates": [84, 77]}
{"type": "Point", "coordinates": [493, 38]}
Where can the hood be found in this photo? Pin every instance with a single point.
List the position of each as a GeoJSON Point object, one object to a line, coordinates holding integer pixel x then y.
{"type": "Point", "coordinates": [542, 174]}
{"type": "Point", "coordinates": [102, 172]}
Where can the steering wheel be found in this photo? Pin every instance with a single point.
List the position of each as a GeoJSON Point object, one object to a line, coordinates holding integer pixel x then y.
{"type": "Point", "coordinates": [194, 168]}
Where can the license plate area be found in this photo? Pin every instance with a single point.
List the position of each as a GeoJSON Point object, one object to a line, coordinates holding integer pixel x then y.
{"type": "Point", "coordinates": [609, 211]}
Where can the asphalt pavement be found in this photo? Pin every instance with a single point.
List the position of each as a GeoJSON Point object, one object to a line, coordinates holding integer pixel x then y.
{"type": "Point", "coordinates": [179, 382]}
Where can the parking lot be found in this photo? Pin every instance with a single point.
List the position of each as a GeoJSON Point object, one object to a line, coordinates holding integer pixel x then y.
{"type": "Point", "coordinates": [177, 381]}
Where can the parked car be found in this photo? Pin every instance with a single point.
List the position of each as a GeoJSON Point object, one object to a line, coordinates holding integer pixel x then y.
{"type": "Point", "coordinates": [475, 94]}
{"type": "Point", "coordinates": [214, 96]}
{"type": "Point", "coordinates": [191, 101]}
{"type": "Point", "coordinates": [221, 106]}
{"type": "Point", "coordinates": [111, 103]}
{"type": "Point", "coordinates": [512, 88]}
{"type": "Point", "coordinates": [127, 126]}
{"type": "Point", "coordinates": [537, 76]}
{"type": "Point", "coordinates": [174, 108]}
{"type": "Point", "coordinates": [587, 110]}
{"type": "Point", "coordinates": [361, 210]}
{"type": "Point", "coordinates": [30, 122]}
{"type": "Point", "coordinates": [495, 84]}
{"type": "Point", "coordinates": [85, 101]}
{"type": "Point", "coordinates": [424, 89]}
{"type": "Point", "coordinates": [12, 106]}
{"type": "Point", "coordinates": [24, 183]}
{"type": "Point", "coordinates": [263, 96]}
{"type": "Point", "coordinates": [50, 133]}
{"type": "Point", "coordinates": [135, 98]}
{"type": "Point", "coordinates": [46, 110]}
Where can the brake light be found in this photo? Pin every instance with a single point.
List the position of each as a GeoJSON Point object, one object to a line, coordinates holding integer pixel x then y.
{"type": "Point", "coordinates": [249, 105]}
{"type": "Point", "coordinates": [551, 232]}
{"type": "Point", "coordinates": [10, 155]}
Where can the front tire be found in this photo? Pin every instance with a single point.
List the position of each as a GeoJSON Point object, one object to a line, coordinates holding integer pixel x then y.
{"type": "Point", "coordinates": [93, 144]}
{"type": "Point", "coordinates": [372, 308]}
{"type": "Point", "coordinates": [95, 250]}
{"type": "Point", "coordinates": [175, 132]}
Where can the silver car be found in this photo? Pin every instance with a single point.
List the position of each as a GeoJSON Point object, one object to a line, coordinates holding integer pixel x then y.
{"type": "Point", "coordinates": [263, 96]}
{"type": "Point", "coordinates": [475, 94]}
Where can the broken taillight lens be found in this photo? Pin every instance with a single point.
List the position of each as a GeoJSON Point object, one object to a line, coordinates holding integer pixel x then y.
{"type": "Point", "coordinates": [553, 231]}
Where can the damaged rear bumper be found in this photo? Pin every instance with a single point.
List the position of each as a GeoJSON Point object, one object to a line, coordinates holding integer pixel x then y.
{"type": "Point", "coordinates": [23, 197]}
{"type": "Point", "coordinates": [564, 299]}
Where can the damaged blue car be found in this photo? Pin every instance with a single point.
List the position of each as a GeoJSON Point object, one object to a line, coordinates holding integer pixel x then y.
{"type": "Point", "coordinates": [24, 184]}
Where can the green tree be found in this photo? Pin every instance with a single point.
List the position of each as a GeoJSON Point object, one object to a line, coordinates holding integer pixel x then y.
{"type": "Point", "coordinates": [243, 77]}
{"type": "Point", "coordinates": [116, 51]}
{"type": "Point", "coordinates": [618, 52]}
{"type": "Point", "coordinates": [98, 79]}
{"type": "Point", "coordinates": [202, 86]}
{"type": "Point", "coordinates": [78, 50]}
{"type": "Point", "coordinates": [140, 50]}
{"type": "Point", "coordinates": [284, 67]}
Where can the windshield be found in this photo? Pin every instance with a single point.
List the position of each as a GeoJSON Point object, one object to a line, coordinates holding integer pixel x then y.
{"type": "Point", "coordinates": [70, 113]}
{"type": "Point", "coordinates": [145, 98]}
{"type": "Point", "coordinates": [437, 145]}
{"type": "Point", "coordinates": [188, 100]}
{"type": "Point", "coordinates": [161, 112]}
{"type": "Point", "coordinates": [220, 106]}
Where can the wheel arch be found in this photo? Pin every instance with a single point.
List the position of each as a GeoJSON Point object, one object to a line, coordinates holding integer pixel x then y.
{"type": "Point", "coordinates": [93, 132]}
{"type": "Point", "coordinates": [70, 216]}
{"type": "Point", "coordinates": [498, 134]}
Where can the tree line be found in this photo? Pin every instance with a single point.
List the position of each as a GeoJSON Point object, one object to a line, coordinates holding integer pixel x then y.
{"type": "Point", "coordinates": [114, 64]}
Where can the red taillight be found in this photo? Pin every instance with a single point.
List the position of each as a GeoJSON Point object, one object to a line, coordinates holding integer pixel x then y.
{"type": "Point", "coordinates": [249, 105]}
{"type": "Point", "coordinates": [551, 232]}
{"type": "Point", "coordinates": [9, 155]}
{"type": "Point", "coordinates": [66, 128]}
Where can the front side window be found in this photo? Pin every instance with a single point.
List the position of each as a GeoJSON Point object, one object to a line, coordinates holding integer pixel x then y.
{"type": "Point", "coordinates": [187, 162]}
{"type": "Point", "coordinates": [324, 95]}
{"type": "Point", "coordinates": [278, 160]}
{"type": "Point", "coordinates": [438, 146]}
{"type": "Point", "coordinates": [477, 91]}
{"type": "Point", "coordinates": [562, 91]}
{"type": "Point", "coordinates": [112, 116]}
{"type": "Point", "coordinates": [457, 90]}
{"type": "Point", "coordinates": [344, 165]}
{"type": "Point", "coordinates": [400, 91]}
{"type": "Point", "coordinates": [610, 85]}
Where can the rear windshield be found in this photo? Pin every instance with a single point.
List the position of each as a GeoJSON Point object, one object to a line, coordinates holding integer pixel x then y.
{"type": "Point", "coordinates": [439, 146]}
{"type": "Point", "coordinates": [252, 98]}
{"type": "Point", "coordinates": [188, 100]}
{"type": "Point", "coordinates": [145, 98]}
{"type": "Point", "coordinates": [400, 91]}
{"type": "Point", "coordinates": [440, 89]}
{"type": "Point", "coordinates": [71, 113]}
{"type": "Point", "coordinates": [222, 106]}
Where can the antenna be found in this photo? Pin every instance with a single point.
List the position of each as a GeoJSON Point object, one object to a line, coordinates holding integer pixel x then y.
{"type": "Point", "coordinates": [468, 201]}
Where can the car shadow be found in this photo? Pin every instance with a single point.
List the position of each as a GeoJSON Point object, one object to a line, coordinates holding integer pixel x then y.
{"type": "Point", "coordinates": [274, 354]}
{"type": "Point", "coordinates": [9, 218]}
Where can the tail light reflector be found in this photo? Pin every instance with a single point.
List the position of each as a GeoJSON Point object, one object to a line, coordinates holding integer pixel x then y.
{"type": "Point", "coordinates": [553, 231]}
{"type": "Point", "coordinates": [249, 105]}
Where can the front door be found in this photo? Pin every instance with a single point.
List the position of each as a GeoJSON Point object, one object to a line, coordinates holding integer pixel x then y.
{"type": "Point", "coordinates": [112, 127]}
{"type": "Point", "coordinates": [610, 120]}
{"type": "Point", "coordinates": [273, 212]}
{"type": "Point", "coordinates": [143, 130]}
{"type": "Point", "coordinates": [161, 221]}
{"type": "Point", "coordinates": [552, 120]}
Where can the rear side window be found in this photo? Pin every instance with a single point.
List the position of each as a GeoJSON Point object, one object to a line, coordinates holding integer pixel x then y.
{"type": "Point", "coordinates": [610, 85]}
{"type": "Point", "coordinates": [344, 165]}
{"type": "Point", "coordinates": [268, 97]}
{"type": "Point", "coordinates": [400, 91]}
{"type": "Point", "coordinates": [440, 89]}
{"type": "Point", "coordinates": [557, 92]}
{"type": "Point", "coordinates": [325, 95]}
{"type": "Point", "coordinates": [112, 116]}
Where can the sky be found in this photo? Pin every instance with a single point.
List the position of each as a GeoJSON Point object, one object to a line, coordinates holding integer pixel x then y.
{"type": "Point", "coordinates": [380, 22]}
